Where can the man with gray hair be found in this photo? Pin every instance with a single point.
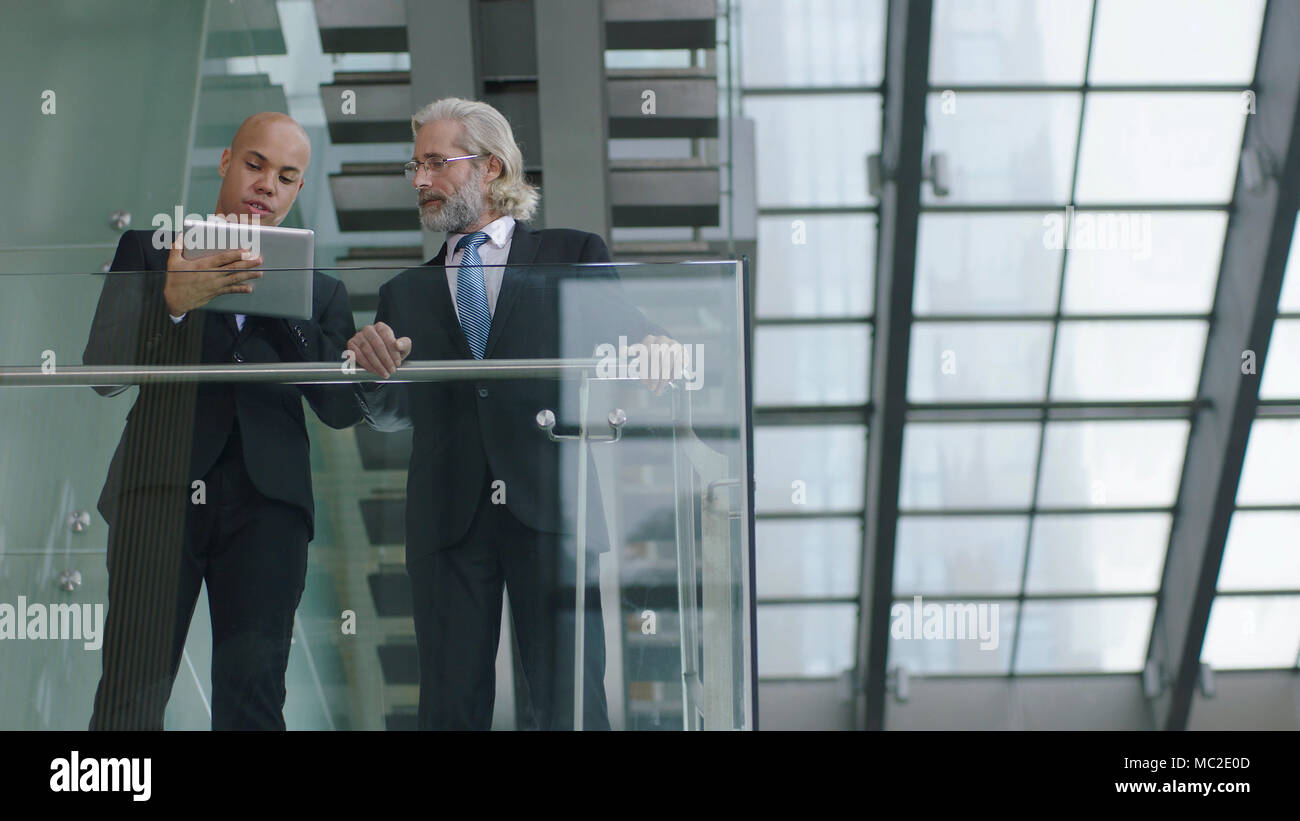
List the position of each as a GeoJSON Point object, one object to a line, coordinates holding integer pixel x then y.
{"type": "Point", "coordinates": [483, 495]}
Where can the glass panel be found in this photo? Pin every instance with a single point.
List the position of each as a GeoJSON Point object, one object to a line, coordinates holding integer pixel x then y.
{"type": "Point", "coordinates": [1130, 262]}
{"type": "Point", "coordinates": [970, 637]}
{"type": "Point", "coordinates": [1261, 552]}
{"type": "Point", "coordinates": [1112, 464]}
{"type": "Point", "coordinates": [1282, 366]}
{"type": "Point", "coordinates": [1159, 148]}
{"type": "Point", "coordinates": [1009, 41]}
{"type": "Point", "coordinates": [811, 42]}
{"type": "Point", "coordinates": [1268, 476]}
{"type": "Point", "coordinates": [1098, 553]}
{"type": "Point", "coordinates": [961, 465]}
{"type": "Point", "coordinates": [984, 263]}
{"type": "Point", "coordinates": [337, 454]}
{"type": "Point", "coordinates": [812, 149]}
{"type": "Point", "coordinates": [1253, 632]}
{"type": "Point", "coordinates": [806, 639]}
{"type": "Point", "coordinates": [1115, 360]}
{"type": "Point", "coordinates": [802, 469]}
{"type": "Point", "coordinates": [1085, 636]}
{"type": "Point", "coordinates": [816, 265]}
{"type": "Point", "coordinates": [951, 555]}
{"type": "Point", "coordinates": [1167, 41]}
{"type": "Point", "coordinates": [811, 365]}
{"type": "Point", "coordinates": [817, 557]}
{"type": "Point", "coordinates": [1004, 148]}
{"type": "Point", "coordinates": [952, 361]}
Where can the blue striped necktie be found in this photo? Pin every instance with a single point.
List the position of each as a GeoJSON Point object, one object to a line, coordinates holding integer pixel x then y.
{"type": "Point", "coordinates": [471, 294]}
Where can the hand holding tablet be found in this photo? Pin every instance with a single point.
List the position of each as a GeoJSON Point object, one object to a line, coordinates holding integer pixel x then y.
{"type": "Point", "coordinates": [215, 250]}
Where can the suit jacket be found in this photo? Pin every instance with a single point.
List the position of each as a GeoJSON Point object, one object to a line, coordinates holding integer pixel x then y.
{"type": "Point", "coordinates": [175, 432]}
{"type": "Point", "coordinates": [464, 429]}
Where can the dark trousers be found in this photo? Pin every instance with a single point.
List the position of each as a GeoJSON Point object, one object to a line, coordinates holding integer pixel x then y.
{"type": "Point", "coordinates": [252, 553]}
{"type": "Point", "coordinates": [456, 593]}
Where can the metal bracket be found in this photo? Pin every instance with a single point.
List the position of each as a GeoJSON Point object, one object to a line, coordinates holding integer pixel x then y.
{"type": "Point", "coordinates": [616, 418]}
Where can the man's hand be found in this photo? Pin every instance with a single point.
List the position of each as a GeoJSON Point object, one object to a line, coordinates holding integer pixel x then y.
{"type": "Point", "coordinates": [658, 386]}
{"type": "Point", "coordinates": [378, 350]}
{"type": "Point", "coordinates": [192, 283]}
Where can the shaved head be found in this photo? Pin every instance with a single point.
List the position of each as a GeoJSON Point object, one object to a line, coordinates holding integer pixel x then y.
{"type": "Point", "coordinates": [282, 127]}
{"type": "Point", "coordinates": [262, 170]}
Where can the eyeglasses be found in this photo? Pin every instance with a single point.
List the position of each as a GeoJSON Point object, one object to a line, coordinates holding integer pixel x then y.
{"type": "Point", "coordinates": [434, 164]}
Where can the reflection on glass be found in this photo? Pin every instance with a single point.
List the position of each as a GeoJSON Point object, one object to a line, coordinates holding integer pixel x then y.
{"type": "Point", "coordinates": [1261, 552]}
{"type": "Point", "coordinates": [985, 263]}
{"type": "Point", "coordinates": [806, 639]}
{"type": "Point", "coordinates": [1252, 632]}
{"type": "Point", "coordinates": [813, 265]}
{"type": "Point", "coordinates": [952, 361]}
{"type": "Point", "coordinates": [809, 468]}
{"type": "Point", "coordinates": [1282, 366]}
{"type": "Point", "coordinates": [948, 555]}
{"type": "Point", "coordinates": [1170, 41]}
{"type": "Point", "coordinates": [1009, 41]}
{"type": "Point", "coordinates": [1160, 148]}
{"type": "Point", "coordinates": [808, 558]}
{"type": "Point", "coordinates": [1097, 553]}
{"type": "Point", "coordinates": [1112, 464]}
{"type": "Point", "coordinates": [966, 637]}
{"type": "Point", "coordinates": [1094, 636]}
{"type": "Point", "coordinates": [1268, 475]}
{"type": "Point", "coordinates": [1004, 148]}
{"type": "Point", "coordinates": [1128, 360]}
{"type": "Point", "coordinates": [812, 150]}
{"type": "Point", "coordinates": [811, 365]}
{"type": "Point", "coordinates": [811, 42]}
{"type": "Point", "coordinates": [967, 465]}
{"type": "Point", "coordinates": [1144, 262]}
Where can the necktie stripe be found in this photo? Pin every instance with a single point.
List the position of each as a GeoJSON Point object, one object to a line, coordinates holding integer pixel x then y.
{"type": "Point", "coordinates": [471, 294]}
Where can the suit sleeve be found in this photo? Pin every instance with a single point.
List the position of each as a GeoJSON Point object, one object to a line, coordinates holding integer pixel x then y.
{"type": "Point", "coordinates": [613, 313]}
{"type": "Point", "coordinates": [324, 339]}
{"type": "Point", "coordinates": [387, 406]}
{"type": "Point", "coordinates": [131, 324]}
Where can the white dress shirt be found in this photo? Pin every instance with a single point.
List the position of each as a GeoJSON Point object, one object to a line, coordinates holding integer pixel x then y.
{"type": "Point", "coordinates": [493, 253]}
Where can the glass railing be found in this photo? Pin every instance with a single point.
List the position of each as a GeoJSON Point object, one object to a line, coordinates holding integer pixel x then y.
{"type": "Point", "coordinates": [578, 463]}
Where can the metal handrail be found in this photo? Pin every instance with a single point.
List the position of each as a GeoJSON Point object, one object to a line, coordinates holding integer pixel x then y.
{"type": "Point", "coordinates": [299, 373]}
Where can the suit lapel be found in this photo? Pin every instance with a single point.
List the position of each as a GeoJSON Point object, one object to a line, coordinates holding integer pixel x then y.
{"type": "Point", "coordinates": [443, 309]}
{"type": "Point", "coordinates": [523, 250]}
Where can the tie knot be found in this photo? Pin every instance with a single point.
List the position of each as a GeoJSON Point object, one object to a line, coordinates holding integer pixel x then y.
{"type": "Point", "coordinates": [473, 240]}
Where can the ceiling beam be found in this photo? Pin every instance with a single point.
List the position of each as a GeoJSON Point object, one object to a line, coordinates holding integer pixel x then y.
{"type": "Point", "coordinates": [907, 65]}
{"type": "Point", "coordinates": [1255, 251]}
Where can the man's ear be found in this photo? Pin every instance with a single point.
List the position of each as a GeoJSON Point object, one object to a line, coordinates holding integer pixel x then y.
{"type": "Point", "coordinates": [494, 167]}
{"type": "Point", "coordinates": [224, 165]}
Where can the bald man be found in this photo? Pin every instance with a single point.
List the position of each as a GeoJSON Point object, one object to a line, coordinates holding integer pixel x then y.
{"type": "Point", "coordinates": [211, 482]}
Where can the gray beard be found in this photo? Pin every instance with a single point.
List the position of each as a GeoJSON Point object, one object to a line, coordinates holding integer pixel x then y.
{"type": "Point", "coordinates": [459, 212]}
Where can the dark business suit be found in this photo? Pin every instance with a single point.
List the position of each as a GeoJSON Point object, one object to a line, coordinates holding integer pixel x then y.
{"type": "Point", "coordinates": [244, 530]}
{"type": "Point", "coordinates": [461, 546]}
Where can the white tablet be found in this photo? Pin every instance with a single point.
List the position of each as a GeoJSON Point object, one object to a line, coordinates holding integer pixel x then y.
{"type": "Point", "coordinates": [288, 255]}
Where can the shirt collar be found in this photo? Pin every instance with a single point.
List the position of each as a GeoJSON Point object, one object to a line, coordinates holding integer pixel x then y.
{"type": "Point", "coordinates": [498, 231]}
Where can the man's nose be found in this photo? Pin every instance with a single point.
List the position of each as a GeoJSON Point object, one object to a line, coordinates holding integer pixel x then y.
{"type": "Point", "coordinates": [266, 185]}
